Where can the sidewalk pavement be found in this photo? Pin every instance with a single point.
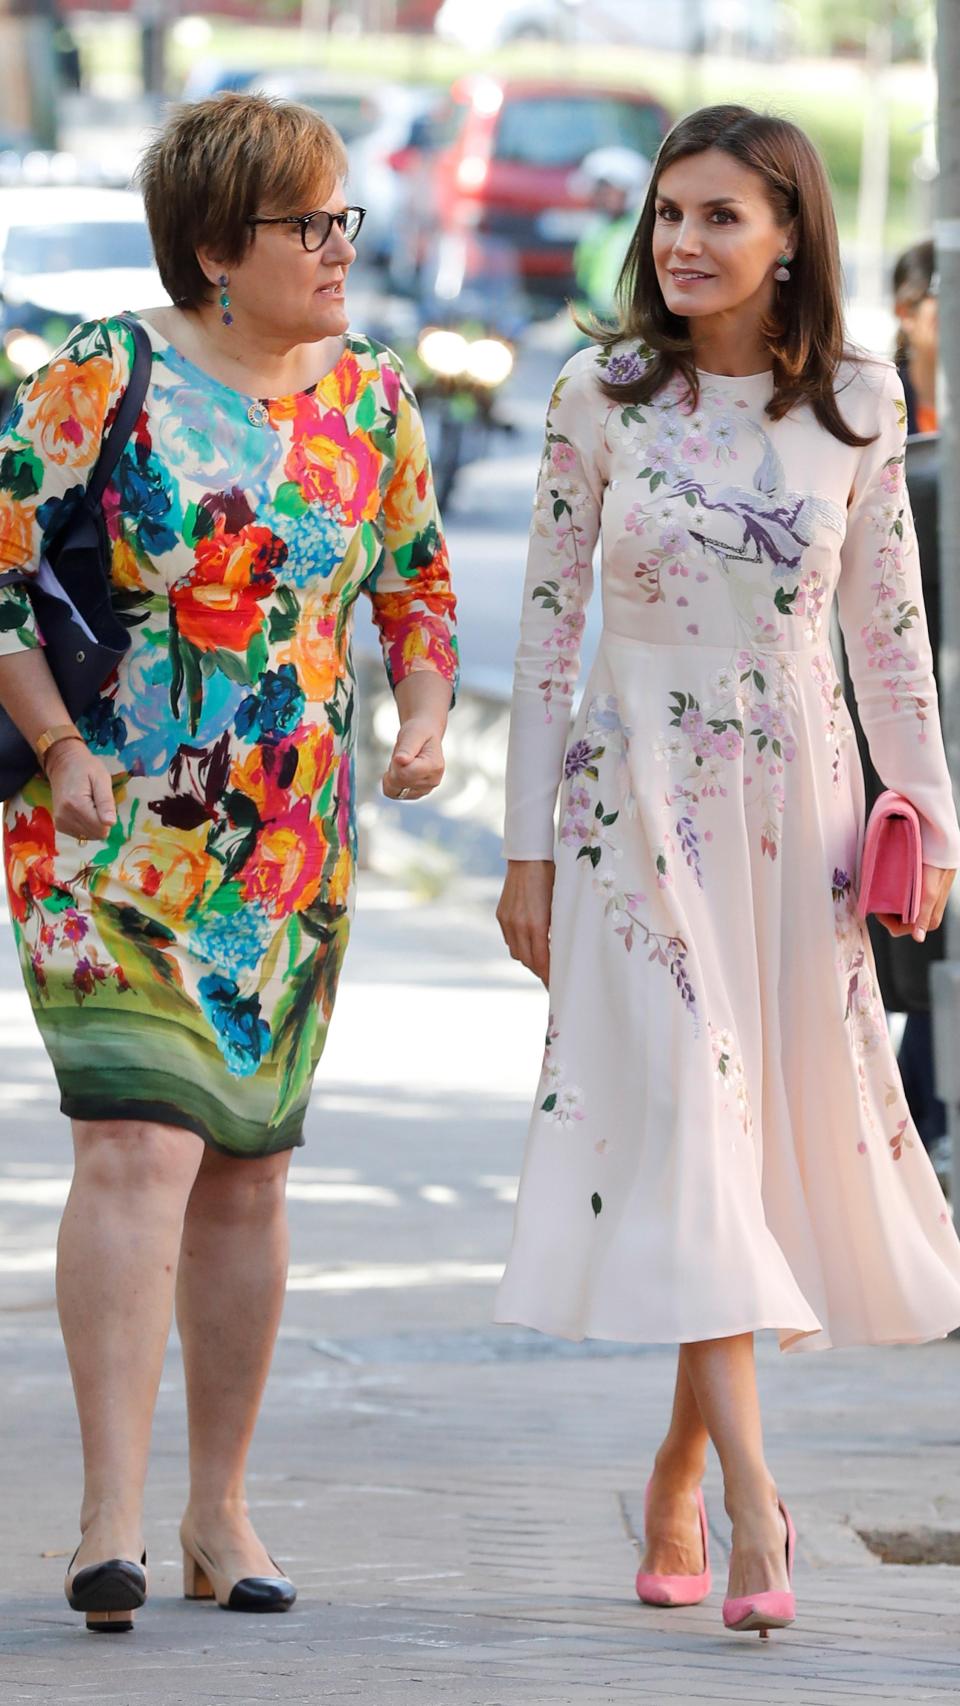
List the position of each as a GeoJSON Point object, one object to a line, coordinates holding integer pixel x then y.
{"type": "Point", "coordinates": [459, 1504]}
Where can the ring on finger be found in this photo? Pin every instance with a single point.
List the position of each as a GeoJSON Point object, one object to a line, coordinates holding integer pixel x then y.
{"type": "Point", "coordinates": [405, 794]}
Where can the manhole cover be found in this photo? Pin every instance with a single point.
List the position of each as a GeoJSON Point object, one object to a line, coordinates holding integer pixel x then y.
{"type": "Point", "coordinates": [913, 1545]}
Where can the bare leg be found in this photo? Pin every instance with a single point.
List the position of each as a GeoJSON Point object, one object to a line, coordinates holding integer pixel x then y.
{"type": "Point", "coordinates": [672, 1527]}
{"type": "Point", "coordinates": [230, 1289]}
{"type": "Point", "coordinates": [116, 1259]}
{"type": "Point", "coordinates": [723, 1379]}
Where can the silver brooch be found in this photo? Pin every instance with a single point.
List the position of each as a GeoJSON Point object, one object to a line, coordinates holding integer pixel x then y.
{"type": "Point", "coordinates": [258, 414]}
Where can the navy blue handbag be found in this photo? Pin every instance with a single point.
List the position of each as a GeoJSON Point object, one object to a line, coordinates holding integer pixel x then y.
{"type": "Point", "coordinates": [84, 638]}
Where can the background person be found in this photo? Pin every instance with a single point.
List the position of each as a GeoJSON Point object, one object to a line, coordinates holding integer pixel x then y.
{"type": "Point", "coordinates": [903, 966]}
{"type": "Point", "coordinates": [181, 873]}
{"type": "Point", "coordinates": [720, 1143]}
{"type": "Point", "coordinates": [615, 178]}
{"type": "Point", "coordinates": [916, 308]}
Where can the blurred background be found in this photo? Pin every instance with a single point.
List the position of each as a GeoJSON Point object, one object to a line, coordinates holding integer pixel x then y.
{"type": "Point", "coordinates": [502, 150]}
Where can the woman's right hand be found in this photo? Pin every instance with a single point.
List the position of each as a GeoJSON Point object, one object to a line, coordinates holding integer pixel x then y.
{"type": "Point", "coordinates": [524, 913]}
{"type": "Point", "coordinates": [82, 790]}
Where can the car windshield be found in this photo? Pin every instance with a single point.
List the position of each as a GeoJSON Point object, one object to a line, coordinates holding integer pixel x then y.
{"type": "Point", "coordinates": [561, 130]}
{"type": "Point", "coordinates": [88, 247]}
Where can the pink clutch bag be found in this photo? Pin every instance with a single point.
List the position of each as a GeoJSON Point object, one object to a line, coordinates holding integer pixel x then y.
{"type": "Point", "coordinates": [891, 870]}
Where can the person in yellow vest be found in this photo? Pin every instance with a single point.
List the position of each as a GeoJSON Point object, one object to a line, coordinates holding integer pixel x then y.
{"type": "Point", "coordinates": [616, 179]}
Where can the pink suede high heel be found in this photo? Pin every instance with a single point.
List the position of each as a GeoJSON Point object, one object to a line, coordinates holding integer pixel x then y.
{"type": "Point", "coordinates": [677, 1590]}
{"type": "Point", "coordinates": [766, 1611]}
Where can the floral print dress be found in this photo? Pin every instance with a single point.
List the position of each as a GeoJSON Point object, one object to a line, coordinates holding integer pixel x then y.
{"type": "Point", "coordinates": [185, 969]}
{"type": "Point", "coordinates": [720, 1141]}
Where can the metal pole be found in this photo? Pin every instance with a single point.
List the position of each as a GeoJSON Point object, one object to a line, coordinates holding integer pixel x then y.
{"type": "Point", "coordinates": [946, 981]}
{"type": "Point", "coordinates": [925, 165]}
{"type": "Point", "coordinates": [874, 166]}
{"type": "Point", "coordinates": [154, 18]}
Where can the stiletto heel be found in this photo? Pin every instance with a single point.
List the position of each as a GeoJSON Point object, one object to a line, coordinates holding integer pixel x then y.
{"type": "Point", "coordinates": [108, 1593]}
{"type": "Point", "coordinates": [656, 1589]}
{"type": "Point", "coordinates": [203, 1580]}
{"type": "Point", "coordinates": [770, 1610]}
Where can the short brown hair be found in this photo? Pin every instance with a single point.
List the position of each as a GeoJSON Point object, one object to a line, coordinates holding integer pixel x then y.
{"type": "Point", "coordinates": [805, 336]}
{"type": "Point", "coordinates": [214, 164]}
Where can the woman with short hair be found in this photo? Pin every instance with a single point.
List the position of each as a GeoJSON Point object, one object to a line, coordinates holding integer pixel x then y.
{"type": "Point", "coordinates": [181, 871]}
{"type": "Point", "coordinates": [720, 1142]}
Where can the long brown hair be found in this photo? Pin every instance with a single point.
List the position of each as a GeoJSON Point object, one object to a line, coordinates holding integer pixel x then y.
{"type": "Point", "coordinates": [805, 331]}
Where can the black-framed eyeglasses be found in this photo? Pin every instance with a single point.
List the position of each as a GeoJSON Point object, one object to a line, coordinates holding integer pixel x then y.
{"type": "Point", "coordinates": [315, 228]}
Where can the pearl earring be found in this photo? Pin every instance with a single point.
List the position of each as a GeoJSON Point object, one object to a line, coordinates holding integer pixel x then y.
{"type": "Point", "coordinates": [225, 315]}
{"type": "Point", "coordinates": [782, 274]}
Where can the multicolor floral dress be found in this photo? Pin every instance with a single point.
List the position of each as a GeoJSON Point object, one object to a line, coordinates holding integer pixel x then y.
{"type": "Point", "coordinates": [720, 1140]}
{"type": "Point", "coordinates": [185, 969]}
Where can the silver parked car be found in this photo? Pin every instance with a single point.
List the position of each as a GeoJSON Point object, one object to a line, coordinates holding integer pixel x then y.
{"type": "Point", "coordinates": [68, 254]}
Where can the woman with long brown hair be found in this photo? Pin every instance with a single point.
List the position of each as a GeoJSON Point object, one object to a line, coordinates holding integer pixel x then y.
{"type": "Point", "coordinates": [720, 1142]}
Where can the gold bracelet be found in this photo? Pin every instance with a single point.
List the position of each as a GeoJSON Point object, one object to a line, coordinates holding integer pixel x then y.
{"type": "Point", "coordinates": [50, 737]}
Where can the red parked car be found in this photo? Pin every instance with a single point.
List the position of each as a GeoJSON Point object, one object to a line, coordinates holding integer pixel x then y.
{"type": "Point", "coordinates": [497, 160]}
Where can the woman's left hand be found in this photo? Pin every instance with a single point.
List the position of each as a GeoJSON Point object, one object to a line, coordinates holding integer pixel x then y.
{"type": "Point", "coordinates": [933, 900]}
{"type": "Point", "coordinates": [416, 764]}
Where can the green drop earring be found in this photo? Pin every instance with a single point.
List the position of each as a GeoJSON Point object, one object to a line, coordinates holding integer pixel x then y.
{"type": "Point", "coordinates": [782, 274]}
{"type": "Point", "coordinates": [225, 313]}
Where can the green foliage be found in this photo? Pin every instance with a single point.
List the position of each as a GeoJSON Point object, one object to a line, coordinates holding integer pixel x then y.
{"type": "Point", "coordinates": [823, 27]}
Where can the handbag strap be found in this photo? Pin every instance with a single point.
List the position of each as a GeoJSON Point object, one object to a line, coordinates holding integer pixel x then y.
{"type": "Point", "coordinates": [128, 412]}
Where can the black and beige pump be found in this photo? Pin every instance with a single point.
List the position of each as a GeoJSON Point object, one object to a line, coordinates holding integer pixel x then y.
{"type": "Point", "coordinates": [108, 1593]}
{"type": "Point", "coordinates": [203, 1580]}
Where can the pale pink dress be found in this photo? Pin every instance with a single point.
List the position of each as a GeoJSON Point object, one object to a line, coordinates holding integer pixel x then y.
{"type": "Point", "coordinates": [720, 1140]}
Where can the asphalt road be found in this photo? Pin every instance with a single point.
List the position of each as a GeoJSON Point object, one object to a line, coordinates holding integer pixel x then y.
{"type": "Point", "coordinates": [488, 520]}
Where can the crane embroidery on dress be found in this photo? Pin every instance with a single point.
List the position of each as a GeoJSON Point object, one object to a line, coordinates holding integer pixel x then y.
{"type": "Point", "coordinates": [777, 525]}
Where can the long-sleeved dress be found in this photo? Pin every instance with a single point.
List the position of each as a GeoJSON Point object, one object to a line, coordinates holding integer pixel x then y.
{"type": "Point", "coordinates": [720, 1140]}
{"type": "Point", "coordinates": [185, 969]}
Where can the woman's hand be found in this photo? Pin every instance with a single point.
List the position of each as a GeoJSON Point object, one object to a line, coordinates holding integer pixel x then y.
{"type": "Point", "coordinates": [416, 764]}
{"type": "Point", "coordinates": [937, 884]}
{"type": "Point", "coordinates": [82, 789]}
{"type": "Point", "coordinates": [524, 913]}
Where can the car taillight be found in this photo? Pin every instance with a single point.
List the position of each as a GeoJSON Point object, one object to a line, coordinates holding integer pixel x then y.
{"type": "Point", "coordinates": [472, 173]}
